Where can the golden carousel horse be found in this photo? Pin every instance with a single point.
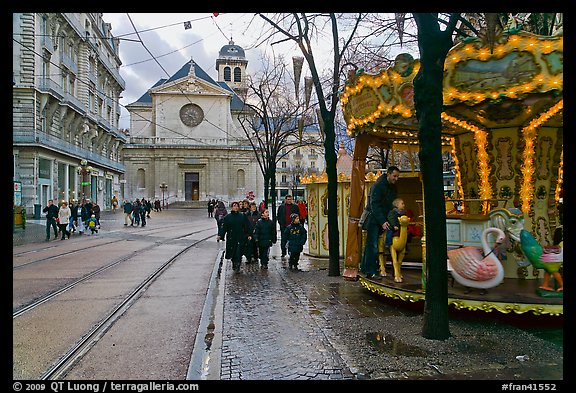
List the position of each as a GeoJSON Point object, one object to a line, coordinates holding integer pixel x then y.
{"type": "Point", "coordinates": [397, 250]}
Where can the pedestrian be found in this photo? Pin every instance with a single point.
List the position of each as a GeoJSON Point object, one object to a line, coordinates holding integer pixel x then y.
{"type": "Point", "coordinates": [210, 208]}
{"type": "Point", "coordinates": [393, 220]}
{"type": "Point", "coordinates": [127, 206]}
{"type": "Point", "coordinates": [262, 207]}
{"type": "Point", "coordinates": [92, 224]}
{"type": "Point", "coordinates": [136, 212]}
{"type": "Point", "coordinates": [296, 237]}
{"type": "Point", "coordinates": [251, 250]}
{"type": "Point", "coordinates": [148, 207]}
{"type": "Point", "coordinates": [264, 237]}
{"type": "Point", "coordinates": [88, 204]}
{"type": "Point", "coordinates": [285, 210]}
{"type": "Point", "coordinates": [114, 204]}
{"type": "Point", "coordinates": [382, 194]}
{"type": "Point", "coordinates": [51, 211]}
{"type": "Point", "coordinates": [82, 215]}
{"type": "Point", "coordinates": [143, 213]}
{"type": "Point", "coordinates": [73, 220]}
{"type": "Point", "coordinates": [219, 214]}
{"type": "Point", "coordinates": [245, 206]}
{"type": "Point", "coordinates": [64, 215]}
{"type": "Point", "coordinates": [303, 211]}
{"type": "Point", "coordinates": [157, 206]}
{"type": "Point", "coordinates": [96, 211]}
{"type": "Point", "coordinates": [235, 230]}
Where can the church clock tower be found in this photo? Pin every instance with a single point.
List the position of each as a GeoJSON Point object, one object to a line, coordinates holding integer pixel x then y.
{"type": "Point", "coordinates": [231, 66]}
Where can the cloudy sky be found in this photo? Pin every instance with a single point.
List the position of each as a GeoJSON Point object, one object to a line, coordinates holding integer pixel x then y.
{"type": "Point", "coordinates": [166, 45]}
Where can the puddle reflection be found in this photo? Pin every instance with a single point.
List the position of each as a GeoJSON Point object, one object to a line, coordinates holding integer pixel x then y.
{"type": "Point", "coordinates": [393, 346]}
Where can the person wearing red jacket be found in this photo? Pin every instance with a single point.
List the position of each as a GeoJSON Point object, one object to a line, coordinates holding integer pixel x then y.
{"type": "Point", "coordinates": [303, 211]}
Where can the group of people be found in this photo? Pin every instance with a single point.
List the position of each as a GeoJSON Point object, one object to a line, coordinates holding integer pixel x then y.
{"type": "Point", "coordinates": [78, 216]}
{"type": "Point", "coordinates": [68, 218]}
{"type": "Point", "coordinates": [136, 212]}
{"type": "Point", "coordinates": [250, 232]}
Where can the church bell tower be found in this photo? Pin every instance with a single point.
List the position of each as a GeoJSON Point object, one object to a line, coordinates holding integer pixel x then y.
{"type": "Point", "coordinates": [231, 66]}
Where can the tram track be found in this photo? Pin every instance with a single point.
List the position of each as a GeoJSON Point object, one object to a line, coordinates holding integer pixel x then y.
{"type": "Point", "coordinates": [129, 235]}
{"type": "Point", "coordinates": [30, 306]}
{"type": "Point", "coordinates": [66, 362]}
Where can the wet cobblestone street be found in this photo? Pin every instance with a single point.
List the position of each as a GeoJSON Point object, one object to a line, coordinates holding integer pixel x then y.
{"type": "Point", "coordinates": [271, 332]}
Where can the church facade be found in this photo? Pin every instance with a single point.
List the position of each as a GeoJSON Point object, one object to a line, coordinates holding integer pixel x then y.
{"type": "Point", "coordinates": [186, 143]}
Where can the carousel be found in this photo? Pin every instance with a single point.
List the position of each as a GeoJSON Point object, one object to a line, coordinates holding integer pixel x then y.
{"type": "Point", "coordinates": [503, 126]}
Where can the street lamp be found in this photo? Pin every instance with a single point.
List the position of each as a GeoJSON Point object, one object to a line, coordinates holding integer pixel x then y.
{"type": "Point", "coordinates": [163, 187]}
{"type": "Point", "coordinates": [83, 170]}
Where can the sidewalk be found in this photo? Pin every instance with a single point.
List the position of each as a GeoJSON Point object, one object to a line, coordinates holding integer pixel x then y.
{"type": "Point", "coordinates": [277, 324]}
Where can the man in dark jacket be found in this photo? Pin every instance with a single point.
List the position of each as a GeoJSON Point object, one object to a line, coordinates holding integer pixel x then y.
{"type": "Point", "coordinates": [265, 236]}
{"type": "Point", "coordinates": [51, 213]}
{"type": "Point", "coordinates": [251, 250]}
{"type": "Point", "coordinates": [382, 193]}
{"type": "Point", "coordinates": [235, 229]}
{"type": "Point", "coordinates": [283, 214]}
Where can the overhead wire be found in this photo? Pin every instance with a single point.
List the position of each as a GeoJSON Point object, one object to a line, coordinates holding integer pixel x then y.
{"type": "Point", "coordinates": [103, 93]}
{"type": "Point", "coordinates": [153, 58]}
{"type": "Point", "coordinates": [184, 94]}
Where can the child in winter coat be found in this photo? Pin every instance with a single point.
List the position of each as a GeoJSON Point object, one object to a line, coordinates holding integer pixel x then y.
{"type": "Point", "coordinates": [265, 236]}
{"type": "Point", "coordinates": [393, 219]}
{"type": "Point", "coordinates": [92, 224]}
{"type": "Point", "coordinates": [296, 237]}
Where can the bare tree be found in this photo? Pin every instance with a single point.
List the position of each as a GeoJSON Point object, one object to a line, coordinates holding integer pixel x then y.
{"type": "Point", "coordinates": [271, 124]}
{"type": "Point", "coordinates": [302, 29]}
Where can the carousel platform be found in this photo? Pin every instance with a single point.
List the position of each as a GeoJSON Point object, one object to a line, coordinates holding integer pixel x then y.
{"type": "Point", "coordinates": [513, 295]}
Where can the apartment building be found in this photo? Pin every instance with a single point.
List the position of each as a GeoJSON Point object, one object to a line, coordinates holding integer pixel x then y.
{"type": "Point", "coordinates": [66, 89]}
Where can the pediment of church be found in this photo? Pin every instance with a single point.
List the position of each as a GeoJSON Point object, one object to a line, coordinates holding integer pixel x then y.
{"type": "Point", "coordinates": [190, 85]}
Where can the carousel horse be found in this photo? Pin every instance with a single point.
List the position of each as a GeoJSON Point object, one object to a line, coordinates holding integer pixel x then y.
{"type": "Point", "coordinates": [475, 269]}
{"type": "Point", "coordinates": [397, 250]}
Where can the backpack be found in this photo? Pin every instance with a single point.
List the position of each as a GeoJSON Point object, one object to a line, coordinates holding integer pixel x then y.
{"type": "Point", "coordinates": [92, 224]}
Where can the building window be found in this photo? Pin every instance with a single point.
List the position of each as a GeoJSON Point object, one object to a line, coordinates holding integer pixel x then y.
{"type": "Point", "coordinates": [240, 178]}
{"type": "Point", "coordinates": [71, 84]}
{"type": "Point", "coordinates": [43, 123]}
{"type": "Point", "coordinates": [140, 178]}
{"type": "Point", "coordinates": [284, 179]}
{"type": "Point", "coordinates": [45, 70]}
{"type": "Point", "coordinates": [313, 164]}
{"type": "Point", "coordinates": [237, 74]}
{"type": "Point", "coordinates": [63, 81]}
{"type": "Point", "coordinates": [227, 74]}
{"type": "Point", "coordinates": [44, 166]}
{"type": "Point", "coordinates": [283, 164]}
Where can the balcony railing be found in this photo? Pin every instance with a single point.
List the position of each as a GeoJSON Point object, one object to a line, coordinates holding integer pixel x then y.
{"type": "Point", "coordinates": [48, 44]}
{"type": "Point", "coordinates": [74, 103]}
{"type": "Point", "coordinates": [47, 85]}
{"type": "Point", "coordinates": [60, 145]}
{"type": "Point", "coordinates": [69, 63]}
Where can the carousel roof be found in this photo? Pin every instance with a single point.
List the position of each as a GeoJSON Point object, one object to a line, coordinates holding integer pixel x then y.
{"type": "Point", "coordinates": [517, 84]}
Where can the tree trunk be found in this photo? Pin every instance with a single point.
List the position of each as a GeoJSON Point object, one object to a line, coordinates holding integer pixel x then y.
{"type": "Point", "coordinates": [273, 193]}
{"type": "Point", "coordinates": [434, 46]}
{"type": "Point", "coordinates": [333, 231]}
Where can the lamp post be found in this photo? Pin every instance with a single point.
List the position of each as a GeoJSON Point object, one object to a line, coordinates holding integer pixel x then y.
{"type": "Point", "coordinates": [83, 170]}
{"type": "Point", "coordinates": [163, 187]}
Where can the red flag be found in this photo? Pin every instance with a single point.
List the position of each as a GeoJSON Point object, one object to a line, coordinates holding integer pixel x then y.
{"type": "Point", "coordinates": [215, 13]}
